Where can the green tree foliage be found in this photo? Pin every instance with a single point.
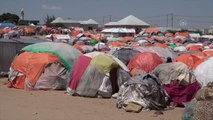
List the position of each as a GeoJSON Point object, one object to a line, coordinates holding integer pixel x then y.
{"type": "Point", "coordinates": [22, 22]}
{"type": "Point", "coordinates": [9, 18]}
{"type": "Point", "coordinates": [48, 20]}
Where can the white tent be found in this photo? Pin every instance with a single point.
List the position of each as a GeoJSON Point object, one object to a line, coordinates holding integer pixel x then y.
{"type": "Point", "coordinates": [118, 30]}
{"type": "Point", "coordinates": [128, 21]}
{"type": "Point", "coordinates": [89, 22]}
{"type": "Point", "coordinates": [58, 20]}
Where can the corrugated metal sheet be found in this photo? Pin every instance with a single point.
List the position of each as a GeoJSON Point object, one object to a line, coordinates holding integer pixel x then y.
{"type": "Point", "coordinates": [10, 47]}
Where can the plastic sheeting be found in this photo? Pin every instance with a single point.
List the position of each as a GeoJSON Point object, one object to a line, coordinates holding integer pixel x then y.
{"type": "Point", "coordinates": [204, 72]}
{"type": "Point", "coordinates": [145, 90]}
{"type": "Point", "coordinates": [55, 76]}
{"type": "Point", "coordinates": [90, 82]}
{"type": "Point", "coordinates": [31, 65]}
{"type": "Point", "coordinates": [174, 71]}
{"type": "Point", "coordinates": [78, 70]}
{"type": "Point", "coordinates": [66, 53]}
{"type": "Point", "coordinates": [124, 54]}
{"type": "Point", "coordinates": [162, 52]}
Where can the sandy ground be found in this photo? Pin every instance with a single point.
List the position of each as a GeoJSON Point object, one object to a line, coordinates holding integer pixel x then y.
{"type": "Point", "coordinates": [18, 104]}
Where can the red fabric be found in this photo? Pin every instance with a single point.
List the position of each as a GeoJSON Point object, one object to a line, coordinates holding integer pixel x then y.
{"type": "Point", "coordinates": [78, 70]}
{"type": "Point", "coordinates": [185, 34]}
{"type": "Point", "coordinates": [208, 53]}
{"type": "Point", "coordinates": [151, 31]}
{"type": "Point", "coordinates": [179, 94]}
{"type": "Point", "coordinates": [145, 61]}
{"type": "Point", "coordinates": [161, 45]}
{"type": "Point", "coordinates": [196, 47]}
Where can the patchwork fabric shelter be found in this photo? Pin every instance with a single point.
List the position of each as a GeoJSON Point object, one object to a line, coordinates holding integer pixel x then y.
{"type": "Point", "coordinates": [37, 71]}
{"type": "Point", "coordinates": [94, 74]}
{"type": "Point", "coordinates": [44, 65]}
{"type": "Point", "coordinates": [66, 53]}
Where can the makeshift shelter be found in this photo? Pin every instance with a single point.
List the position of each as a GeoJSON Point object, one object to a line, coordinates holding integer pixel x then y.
{"type": "Point", "coordinates": [94, 74]}
{"type": "Point", "coordinates": [174, 71]}
{"type": "Point", "coordinates": [37, 71]}
{"type": "Point", "coordinates": [195, 47]}
{"type": "Point", "coordinates": [145, 61]}
{"type": "Point", "coordinates": [144, 90]}
{"type": "Point", "coordinates": [162, 52]}
{"type": "Point", "coordinates": [203, 72]}
{"type": "Point", "coordinates": [43, 66]}
{"type": "Point", "coordinates": [9, 48]}
{"type": "Point", "coordinates": [118, 32]}
{"type": "Point", "coordinates": [188, 59]}
{"type": "Point", "coordinates": [124, 54]}
{"type": "Point", "coordinates": [65, 52]}
{"type": "Point", "coordinates": [129, 22]}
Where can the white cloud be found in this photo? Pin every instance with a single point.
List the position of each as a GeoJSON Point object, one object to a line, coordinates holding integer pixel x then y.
{"type": "Point", "coordinates": [46, 7]}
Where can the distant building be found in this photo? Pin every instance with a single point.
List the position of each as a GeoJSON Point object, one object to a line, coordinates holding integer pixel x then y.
{"type": "Point", "coordinates": [86, 25]}
{"type": "Point", "coordinates": [128, 22]}
{"type": "Point", "coordinates": [35, 22]}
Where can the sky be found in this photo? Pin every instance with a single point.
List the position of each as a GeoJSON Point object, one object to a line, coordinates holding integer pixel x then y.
{"type": "Point", "coordinates": [186, 13]}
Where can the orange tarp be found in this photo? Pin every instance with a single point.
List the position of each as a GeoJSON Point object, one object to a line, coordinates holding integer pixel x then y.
{"type": "Point", "coordinates": [116, 44]}
{"type": "Point", "coordinates": [185, 34]}
{"type": "Point", "coordinates": [78, 47]}
{"type": "Point", "coordinates": [161, 45]}
{"type": "Point", "coordinates": [31, 65]}
{"type": "Point", "coordinates": [127, 38]}
{"type": "Point", "coordinates": [151, 31]}
{"type": "Point", "coordinates": [188, 59]}
{"type": "Point", "coordinates": [200, 55]}
{"type": "Point", "coordinates": [208, 53]}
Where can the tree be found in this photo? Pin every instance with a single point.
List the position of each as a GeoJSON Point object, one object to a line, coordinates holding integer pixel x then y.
{"type": "Point", "coordinates": [22, 22]}
{"type": "Point", "coordinates": [48, 20]}
{"type": "Point", "coordinates": [8, 17]}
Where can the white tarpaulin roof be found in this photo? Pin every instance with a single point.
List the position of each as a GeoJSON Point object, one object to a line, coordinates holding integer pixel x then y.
{"type": "Point", "coordinates": [62, 37]}
{"type": "Point", "coordinates": [194, 35]}
{"type": "Point", "coordinates": [118, 30]}
{"type": "Point", "coordinates": [129, 20]}
{"type": "Point", "coordinates": [58, 20]}
{"type": "Point", "coordinates": [207, 36]}
{"type": "Point", "coordinates": [90, 21]}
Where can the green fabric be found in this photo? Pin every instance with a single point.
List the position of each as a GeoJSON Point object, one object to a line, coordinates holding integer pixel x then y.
{"type": "Point", "coordinates": [93, 41]}
{"type": "Point", "coordinates": [173, 45]}
{"type": "Point", "coordinates": [104, 63]}
{"type": "Point", "coordinates": [66, 53]}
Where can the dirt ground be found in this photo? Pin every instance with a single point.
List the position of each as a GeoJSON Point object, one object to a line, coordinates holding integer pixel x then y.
{"type": "Point", "coordinates": [16, 104]}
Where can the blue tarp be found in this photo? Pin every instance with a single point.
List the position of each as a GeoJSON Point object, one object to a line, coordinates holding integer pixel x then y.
{"type": "Point", "coordinates": [7, 25]}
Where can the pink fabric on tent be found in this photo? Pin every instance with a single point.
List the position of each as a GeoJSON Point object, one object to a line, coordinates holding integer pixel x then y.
{"type": "Point", "coordinates": [78, 70]}
{"type": "Point", "coordinates": [179, 94]}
